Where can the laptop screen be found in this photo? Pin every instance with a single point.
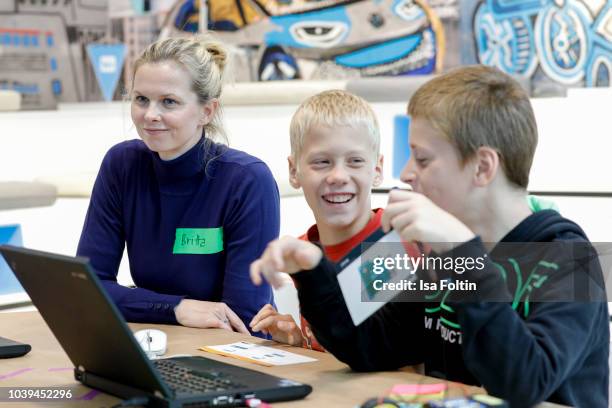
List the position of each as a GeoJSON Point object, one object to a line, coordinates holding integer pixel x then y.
{"type": "Point", "coordinates": [85, 321]}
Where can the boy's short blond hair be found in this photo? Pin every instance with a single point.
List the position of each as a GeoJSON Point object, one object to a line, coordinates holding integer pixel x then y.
{"type": "Point", "coordinates": [331, 109]}
{"type": "Point", "coordinates": [478, 106]}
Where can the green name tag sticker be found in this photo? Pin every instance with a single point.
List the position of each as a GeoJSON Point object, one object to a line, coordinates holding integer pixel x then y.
{"type": "Point", "coordinates": [198, 241]}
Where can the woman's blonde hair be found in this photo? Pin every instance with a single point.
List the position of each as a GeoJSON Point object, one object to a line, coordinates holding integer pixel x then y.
{"type": "Point", "coordinates": [205, 59]}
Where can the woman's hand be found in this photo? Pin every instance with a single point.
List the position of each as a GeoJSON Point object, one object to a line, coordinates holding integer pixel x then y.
{"type": "Point", "coordinates": [206, 315]}
{"type": "Point", "coordinates": [286, 254]}
{"type": "Point", "coordinates": [282, 327]}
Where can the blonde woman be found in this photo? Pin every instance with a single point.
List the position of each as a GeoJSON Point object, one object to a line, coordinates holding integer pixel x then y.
{"type": "Point", "coordinates": [193, 213]}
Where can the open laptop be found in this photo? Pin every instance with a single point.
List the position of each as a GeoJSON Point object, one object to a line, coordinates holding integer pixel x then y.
{"type": "Point", "coordinates": [106, 356]}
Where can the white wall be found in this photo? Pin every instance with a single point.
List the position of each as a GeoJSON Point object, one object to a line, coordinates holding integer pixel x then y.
{"type": "Point", "coordinates": [573, 151]}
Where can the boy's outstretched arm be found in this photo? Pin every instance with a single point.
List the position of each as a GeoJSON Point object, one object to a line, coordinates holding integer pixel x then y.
{"type": "Point", "coordinates": [385, 341]}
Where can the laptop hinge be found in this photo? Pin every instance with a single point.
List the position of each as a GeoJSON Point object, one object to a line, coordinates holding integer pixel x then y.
{"type": "Point", "coordinates": [121, 390]}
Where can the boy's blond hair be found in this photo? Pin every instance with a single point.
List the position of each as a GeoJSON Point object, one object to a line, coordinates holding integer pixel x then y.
{"type": "Point", "coordinates": [330, 109]}
{"type": "Point", "coordinates": [478, 106]}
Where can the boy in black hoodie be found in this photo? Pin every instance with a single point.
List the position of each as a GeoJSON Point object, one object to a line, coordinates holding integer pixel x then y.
{"type": "Point", "coordinates": [536, 328]}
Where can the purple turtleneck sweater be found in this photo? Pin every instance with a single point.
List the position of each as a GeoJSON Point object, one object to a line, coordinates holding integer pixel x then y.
{"type": "Point", "coordinates": [192, 226]}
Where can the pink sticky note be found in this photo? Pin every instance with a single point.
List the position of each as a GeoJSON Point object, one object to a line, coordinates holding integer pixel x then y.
{"type": "Point", "coordinates": [417, 389]}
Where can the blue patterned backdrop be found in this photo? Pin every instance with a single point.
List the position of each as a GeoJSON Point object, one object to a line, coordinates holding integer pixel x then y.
{"type": "Point", "coordinates": [568, 42]}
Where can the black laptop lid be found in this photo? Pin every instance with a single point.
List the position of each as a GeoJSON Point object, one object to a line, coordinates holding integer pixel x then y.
{"type": "Point", "coordinates": [85, 321]}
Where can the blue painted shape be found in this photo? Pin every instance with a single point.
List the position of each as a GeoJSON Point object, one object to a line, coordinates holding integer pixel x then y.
{"type": "Point", "coordinates": [53, 64]}
{"type": "Point", "coordinates": [6, 39]}
{"type": "Point", "coordinates": [512, 49]}
{"type": "Point", "coordinates": [16, 40]}
{"type": "Point", "coordinates": [403, 16]}
{"type": "Point", "coordinates": [187, 17]}
{"type": "Point", "coordinates": [56, 87]}
{"type": "Point", "coordinates": [401, 147]}
{"type": "Point", "coordinates": [49, 40]}
{"type": "Point", "coordinates": [564, 66]}
{"type": "Point", "coordinates": [282, 36]}
{"type": "Point", "coordinates": [26, 40]}
{"type": "Point", "coordinates": [138, 6]}
{"type": "Point", "coordinates": [428, 68]}
{"type": "Point", "coordinates": [514, 8]}
{"type": "Point", "coordinates": [11, 235]}
{"type": "Point", "coordinates": [381, 53]}
{"type": "Point", "coordinates": [26, 89]}
{"type": "Point", "coordinates": [107, 61]}
{"type": "Point", "coordinates": [599, 27]}
{"type": "Point", "coordinates": [34, 40]}
{"type": "Point", "coordinates": [599, 68]}
{"type": "Point", "coordinates": [602, 76]}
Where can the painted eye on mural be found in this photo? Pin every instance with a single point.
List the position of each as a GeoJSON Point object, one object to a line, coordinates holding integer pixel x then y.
{"type": "Point", "coordinates": [322, 34]}
{"type": "Point", "coordinates": [408, 10]}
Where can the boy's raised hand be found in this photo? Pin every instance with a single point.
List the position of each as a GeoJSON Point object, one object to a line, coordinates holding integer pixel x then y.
{"type": "Point", "coordinates": [416, 218]}
{"type": "Point", "coordinates": [286, 254]}
{"type": "Point", "coordinates": [282, 327]}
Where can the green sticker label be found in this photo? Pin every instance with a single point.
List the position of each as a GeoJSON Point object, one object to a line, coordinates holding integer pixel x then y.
{"type": "Point", "coordinates": [198, 241]}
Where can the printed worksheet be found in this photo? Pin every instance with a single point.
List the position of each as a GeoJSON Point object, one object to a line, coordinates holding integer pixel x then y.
{"type": "Point", "coordinates": [255, 353]}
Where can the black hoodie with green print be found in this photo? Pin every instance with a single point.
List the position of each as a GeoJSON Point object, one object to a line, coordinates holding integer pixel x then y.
{"type": "Point", "coordinates": [542, 333]}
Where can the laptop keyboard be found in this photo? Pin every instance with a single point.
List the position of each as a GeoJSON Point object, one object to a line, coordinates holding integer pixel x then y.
{"type": "Point", "coordinates": [185, 380]}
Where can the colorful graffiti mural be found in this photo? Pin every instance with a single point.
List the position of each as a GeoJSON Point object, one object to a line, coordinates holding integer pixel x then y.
{"type": "Point", "coordinates": [285, 39]}
{"type": "Point", "coordinates": [42, 50]}
{"type": "Point", "coordinates": [570, 41]}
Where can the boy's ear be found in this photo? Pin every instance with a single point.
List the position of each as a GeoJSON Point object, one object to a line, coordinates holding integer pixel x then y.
{"type": "Point", "coordinates": [487, 164]}
{"type": "Point", "coordinates": [378, 171]}
{"type": "Point", "coordinates": [293, 180]}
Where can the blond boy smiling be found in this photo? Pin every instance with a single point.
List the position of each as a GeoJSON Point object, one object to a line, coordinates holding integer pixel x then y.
{"type": "Point", "coordinates": [528, 334]}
